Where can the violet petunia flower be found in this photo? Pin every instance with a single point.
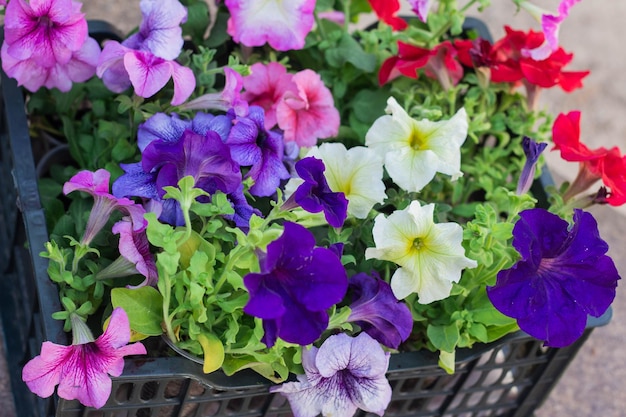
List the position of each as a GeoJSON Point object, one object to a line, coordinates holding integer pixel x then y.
{"type": "Point", "coordinates": [282, 24]}
{"type": "Point", "coordinates": [298, 282]}
{"type": "Point", "coordinates": [82, 369]}
{"type": "Point", "coordinates": [563, 275]}
{"type": "Point", "coordinates": [97, 185]}
{"type": "Point", "coordinates": [532, 150]}
{"type": "Point", "coordinates": [146, 60]}
{"type": "Point", "coordinates": [378, 312]}
{"type": "Point", "coordinates": [252, 145]}
{"type": "Point", "coordinates": [314, 194]}
{"type": "Point", "coordinates": [344, 374]}
{"type": "Point", "coordinates": [46, 44]}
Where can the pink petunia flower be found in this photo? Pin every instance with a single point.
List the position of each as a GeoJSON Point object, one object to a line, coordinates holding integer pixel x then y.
{"type": "Point", "coordinates": [265, 86]}
{"type": "Point", "coordinates": [307, 113]}
{"type": "Point", "coordinates": [146, 59]}
{"type": "Point", "coordinates": [228, 98]}
{"type": "Point", "coordinates": [46, 44]}
{"type": "Point", "coordinates": [82, 369]}
{"type": "Point", "coordinates": [421, 8]}
{"type": "Point", "coordinates": [97, 185]}
{"type": "Point", "coordinates": [550, 24]}
{"type": "Point", "coordinates": [135, 254]}
{"type": "Point", "coordinates": [282, 24]}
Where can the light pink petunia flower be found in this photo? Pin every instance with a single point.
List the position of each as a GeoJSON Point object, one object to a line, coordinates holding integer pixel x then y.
{"type": "Point", "coordinates": [228, 98]}
{"type": "Point", "coordinates": [97, 185]}
{"type": "Point", "coordinates": [421, 8]}
{"type": "Point", "coordinates": [550, 25]}
{"type": "Point", "coordinates": [307, 113]}
{"type": "Point", "coordinates": [283, 24]}
{"type": "Point", "coordinates": [265, 86]}
{"type": "Point", "coordinates": [82, 369]}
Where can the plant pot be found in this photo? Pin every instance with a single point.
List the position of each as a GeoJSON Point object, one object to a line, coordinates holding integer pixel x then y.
{"type": "Point", "coordinates": [508, 378]}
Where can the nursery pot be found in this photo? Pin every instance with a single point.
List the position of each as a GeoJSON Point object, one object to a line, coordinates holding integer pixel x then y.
{"type": "Point", "coordinates": [510, 377]}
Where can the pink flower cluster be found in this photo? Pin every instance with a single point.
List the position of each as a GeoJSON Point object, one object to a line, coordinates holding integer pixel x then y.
{"type": "Point", "coordinates": [299, 104]}
{"type": "Point", "coordinates": [46, 44]}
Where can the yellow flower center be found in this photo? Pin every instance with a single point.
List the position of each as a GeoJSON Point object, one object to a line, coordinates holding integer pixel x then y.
{"type": "Point", "coordinates": [418, 140]}
{"type": "Point", "coordinates": [418, 243]}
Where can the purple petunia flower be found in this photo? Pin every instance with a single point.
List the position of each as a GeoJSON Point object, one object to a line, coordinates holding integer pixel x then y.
{"type": "Point", "coordinates": [297, 284]}
{"type": "Point", "coordinates": [563, 276]}
{"type": "Point", "coordinates": [82, 369]}
{"type": "Point", "coordinates": [344, 374]}
{"type": "Point", "coordinates": [97, 185]}
{"type": "Point", "coordinates": [314, 195]}
{"type": "Point", "coordinates": [532, 150]}
{"type": "Point", "coordinates": [146, 60]}
{"type": "Point", "coordinates": [252, 145]}
{"type": "Point", "coordinates": [378, 312]}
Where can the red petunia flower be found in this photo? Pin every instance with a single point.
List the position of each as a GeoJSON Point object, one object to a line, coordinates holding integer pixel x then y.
{"type": "Point", "coordinates": [386, 11]}
{"type": "Point", "coordinates": [606, 164]}
{"type": "Point", "coordinates": [440, 62]}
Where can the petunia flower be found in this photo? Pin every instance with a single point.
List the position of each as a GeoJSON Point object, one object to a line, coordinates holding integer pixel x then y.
{"type": "Point", "coordinates": [563, 275]}
{"type": "Point", "coordinates": [532, 150]}
{"type": "Point", "coordinates": [415, 150]}
{"type": "Point", "coordinates": [344, 374]}
{"type": "Point", "coordinates": [609, 165]}
{"type": "Point", "coordinates": [297, 283]}
{"type": "Point", "coordinates": [135, 256]}
{"type": "Point", "coordinates": [229, 98]}
{"type": "Point", "coordinates": [260, 149]}
{"type": "Point", "coordinates": [314, 195]}
{"type": "Point", "coordinates": [356, 172]}
{"type": "Point", "coordinates": [421, 8]}
{"type": "Point", "coordinates": [440, 63]}
{"type": "Point", "coordinates": [550, 25]}
{"type": "Point", "coordinates": [46, 44]}
{"type": "Point", "coordinates": [265, 87]}
{"type": "Point", "coordinates": [307, 113]}
{"type": "Point", "coordinates": [378, 312]}
{"type": "Point", "coordinates": [146, 59]}
{"type": "Point", "coordinates": [82, 369]}
{"type": "Point", "coordinates": [430, 254]}
{"type": "Point", "coordinates": [97, 185]}
{"type": "Point", "coordinates": [282, 24]}
{"type": "Point", "coordinates": [387, 11]}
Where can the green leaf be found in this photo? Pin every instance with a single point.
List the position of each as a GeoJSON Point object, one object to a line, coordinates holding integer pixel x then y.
{"type": "Point", "coordinates": [349, 50]}
{"type": "Point", "coordinates": [444, 338]}
{"type": "Point", "coordinates": [447, 361]}
{"type": "Point", "coordinates": [144, 307]}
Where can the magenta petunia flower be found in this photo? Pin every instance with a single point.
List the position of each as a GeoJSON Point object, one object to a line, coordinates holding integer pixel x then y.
{"type": "Point", "coordinates": [265, 87]}
{"type": "Point", "coordinates": [298, 282]}
{"type": "Point", "coordinates": [82, 369]}
{"type": "Point", "coordinates": [46, 44]}
{"type": "Point", "coordinates": [97, 185]}
{"type": "Point", "coordinates": [146, 59]}
{"type": "Point", "coordinates": [307, 113]}
{"type": "Point", "coordinates": [344, 374]}
{"type": "Point", "coordinates": [135, 248]}
{"type": "Point", "coordinates": [282, 24]}
{"type": "Point", "coordinates": [563, 275]}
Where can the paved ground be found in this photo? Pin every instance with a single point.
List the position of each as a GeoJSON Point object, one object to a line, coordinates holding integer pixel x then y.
{"type": "Point", "coordinates": [593, 383]}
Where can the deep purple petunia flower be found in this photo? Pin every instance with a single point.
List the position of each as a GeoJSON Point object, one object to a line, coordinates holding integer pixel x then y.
{"type": "Point", "coordinates": [314, 195]}
{"type": "Point", "coordinates": [344, 374]}
{"type": "Point", "coordinates": [563, 276]}
{"type": "Point", "coordinates": [532, 150]}
{"type": "Point", "coordinates": [378, 312]}
{"type": "Point", "coordinates": [297, 284]}
{"type": "Point", "coordinates": [252, 145]}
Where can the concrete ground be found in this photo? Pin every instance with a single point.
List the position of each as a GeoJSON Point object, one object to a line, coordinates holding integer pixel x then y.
{"type": "Point", "coordinates": [593, 383]}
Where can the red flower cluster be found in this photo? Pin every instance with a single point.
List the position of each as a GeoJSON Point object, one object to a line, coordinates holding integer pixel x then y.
{"type": "Point", "coordinates": [606, 164]}
{"type": "Point", "coordinates": [386, 11]}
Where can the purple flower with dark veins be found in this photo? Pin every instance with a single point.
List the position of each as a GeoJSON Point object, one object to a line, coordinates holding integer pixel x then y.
{"type": "Point", "coordinates": [298, 282]}
{"type": "Point", "coordinates": [252, 145]}
{"type": "Point", "coordinates": [314, 195]}
{"type": "Point", "coordinates": [378, 312]}
{"type": "Point", "coordinates": [563, 276]}
{"type": "Point", "coordinates": [344, 374]}
{"type": "Point", "coordinates": [532, 150]}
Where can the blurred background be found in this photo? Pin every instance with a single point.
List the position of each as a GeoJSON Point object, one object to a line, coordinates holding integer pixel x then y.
{"type": "Point", "coordinates": [593, 382]}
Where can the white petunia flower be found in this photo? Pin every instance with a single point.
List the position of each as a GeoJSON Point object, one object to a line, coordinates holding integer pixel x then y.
{"type": "Point", "coordinates": [357, 172]}
{"type": "Point", "coordinates": [430, 255]}
{"type": "Point", "coordinates": [415, 150]}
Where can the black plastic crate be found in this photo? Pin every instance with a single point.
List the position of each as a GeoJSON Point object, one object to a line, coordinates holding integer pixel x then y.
{"type": "Point", "coordinates": [509, 378]}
